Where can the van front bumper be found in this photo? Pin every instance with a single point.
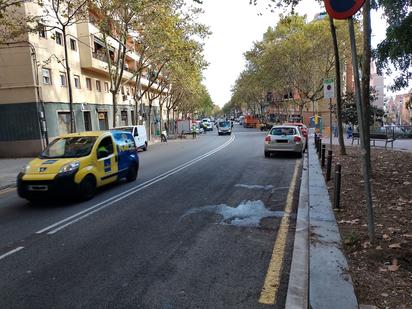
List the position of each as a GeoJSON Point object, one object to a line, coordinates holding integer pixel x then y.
{"type": "Point", "coordinates": [61, 186]}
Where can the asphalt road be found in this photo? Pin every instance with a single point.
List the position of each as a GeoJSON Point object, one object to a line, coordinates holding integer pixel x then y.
{"type": "Point", "coordinates": [198, 229]}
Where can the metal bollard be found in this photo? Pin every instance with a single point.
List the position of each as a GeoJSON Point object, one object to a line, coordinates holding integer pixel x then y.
{"type": "Point", "coordinates": [319, 148]}
{"type": "Point", "coordinates": [329, 166]}
{"type": "Point", "coordinates": [323, 155]}
{"type": "Point", "coordinates": [336, 195]}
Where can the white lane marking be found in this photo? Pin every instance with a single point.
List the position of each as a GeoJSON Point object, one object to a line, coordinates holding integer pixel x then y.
{"type": "Point", "coordinates": [93, 209]}
{"type": "Point", "coordinates": [11, 252]}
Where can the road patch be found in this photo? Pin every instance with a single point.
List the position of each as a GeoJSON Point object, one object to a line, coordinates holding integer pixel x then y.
{"type": "Point", "coordinates": [254, 187]}
{"type": "Point", "coordinates": [246, 214]}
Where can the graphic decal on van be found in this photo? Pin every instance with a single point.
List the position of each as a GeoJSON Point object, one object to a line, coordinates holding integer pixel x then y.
{"type": "Point", "coordinates": [107, 165]}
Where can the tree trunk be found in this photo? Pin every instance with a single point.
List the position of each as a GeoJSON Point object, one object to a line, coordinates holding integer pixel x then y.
{"type": "Point", "coordinates": [338, 87]}
{"type": "Point", "coordinates": [160, 117]}
{"type": "Point", "coordinates": [69, 82]}
{"type": "Point", "coordinates": [114, 101]}
{"type": "Point", "coordinates": [149, 118]}
{"type": "Point", "coordinates": [366, 73]}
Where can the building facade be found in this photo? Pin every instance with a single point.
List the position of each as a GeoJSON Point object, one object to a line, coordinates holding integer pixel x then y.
{"type": "Point", "coordinates": [34, 94]}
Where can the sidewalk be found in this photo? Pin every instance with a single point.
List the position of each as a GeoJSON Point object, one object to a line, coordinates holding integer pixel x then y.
{"type": "Point", "coordinates": [330, 285]}
{"type": "Point", "coordinates": [399, 144]}
{"type": "Point", "coordinates": [9, 168]}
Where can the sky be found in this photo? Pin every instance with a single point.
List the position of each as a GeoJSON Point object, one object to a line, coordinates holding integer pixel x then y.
{"type": "Point", "coordinates": [235, 25]}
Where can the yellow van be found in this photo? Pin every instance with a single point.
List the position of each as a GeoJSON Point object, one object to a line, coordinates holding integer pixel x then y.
{"type": "Point", "coordinates": [74, 165]}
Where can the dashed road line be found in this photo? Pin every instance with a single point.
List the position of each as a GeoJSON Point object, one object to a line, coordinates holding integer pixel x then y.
{"type": "Point", "coordinates": [11, 252]}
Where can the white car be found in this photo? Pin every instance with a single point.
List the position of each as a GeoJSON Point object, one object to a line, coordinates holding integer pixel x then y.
{"type": "Point", "coordinates": [285, 139]}
{"type": "Point", "coordinates": [139, 133]}
{"type": "Point", "coordinates": [207, 124]}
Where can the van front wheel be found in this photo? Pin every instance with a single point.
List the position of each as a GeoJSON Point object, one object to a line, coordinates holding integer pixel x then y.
{"type": "Point", "coordinates": [132, 173]}
{"type": "Point", "coordinates": [87, 187]}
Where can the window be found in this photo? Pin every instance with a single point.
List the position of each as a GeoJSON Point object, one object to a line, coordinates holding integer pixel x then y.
{"type": "Point", "coordinates": [63, 119]}
{"type": "Point", "coordinates": [69, 147]}
{"type": "Point", "coordinates": [59, 38]}
{"type": "Point", "coordinates": [98, 86]}
{"type": "Point", "coordinates": [105, 148]}
{"type": "Point", "coordinates": [283, 131]}
{"type": "Point", "coordinates": [77, 82]}
{"type": "Point", "coordinates": [73, 44]}
{"type": "Point", "coordinates": [63, 79]}
{"type": "Point", "coordinates": [127, 91]}
{"type": "Point", "coordinates": [106, 87]}
{"type": "Point", "coordinates": [123, 116]}
{"type": "Point", "coordinates": [88, 83]}
{"type": "Point", "coordinates": [46, 76]}
{"type": "Point", "coordinates": [87, 121]}
{"type": "Point", "coordinates": [42, 31]}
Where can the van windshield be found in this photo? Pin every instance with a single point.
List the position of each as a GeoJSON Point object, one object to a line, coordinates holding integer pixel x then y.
{"type": "Point", "coordinates": [224, 124]}
{"type": "Point", "coordinates": [69, 147]}
{"type": "Point", "coordinates": [127, 129]}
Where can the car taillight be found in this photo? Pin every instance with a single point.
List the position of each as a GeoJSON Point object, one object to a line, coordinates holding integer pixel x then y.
{"type": "Point", "coordinates": [267, 139]}
{"type": "Point", "coordinates": [297, 139]}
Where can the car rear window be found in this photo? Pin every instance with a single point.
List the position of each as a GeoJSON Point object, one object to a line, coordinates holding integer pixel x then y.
{"type": "Point", "coordinates": [283, 131]}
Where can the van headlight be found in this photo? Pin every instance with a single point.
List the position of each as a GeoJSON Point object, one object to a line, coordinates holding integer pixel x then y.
{"type": "Point", "coordinates": [25, 169]}
{"type": "Point", "coordinates": [72, 166]}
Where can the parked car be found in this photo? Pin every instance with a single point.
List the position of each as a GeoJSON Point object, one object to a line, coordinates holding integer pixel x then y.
{"type": "Point", "coordinates": [139, 133]}
{"type": "Point", "coordinates": [74, 165]}
{"type": "Point", "coordinates": [207, 124]}
{"type": "Point", "coordinates": [224, 127]}
{"type": "Point", "coordinates": [285, 139]}
{"type": "Point", "coordinates": [303, 128]}
{"type": "Point", "coordinates": [199, 129]}
{"type": "Point", "coordinates": [241, 120]}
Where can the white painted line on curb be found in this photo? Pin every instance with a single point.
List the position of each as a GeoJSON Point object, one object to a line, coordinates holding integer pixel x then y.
{"type": "Point", "coordinates": [11, 252]}
{"type": "Point", "coordinates": [51, 229]}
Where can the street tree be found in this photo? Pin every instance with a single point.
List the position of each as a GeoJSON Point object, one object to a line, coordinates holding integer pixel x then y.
{"type": "Point", "coordinates": [61, 15]}
{"type": "Point", "coordinates": [396, 49]}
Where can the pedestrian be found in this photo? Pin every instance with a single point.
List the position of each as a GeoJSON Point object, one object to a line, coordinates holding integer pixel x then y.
{"type": "Point", "coordinates": [194, 131]}
{"type": "Point", "coordinates": [349, 132]}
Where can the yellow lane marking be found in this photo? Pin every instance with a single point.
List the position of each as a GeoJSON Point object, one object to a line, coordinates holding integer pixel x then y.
{"type": "Point", "coordinates": [7, 190]}
{"type": "Point", "coordinates": [273, 275]}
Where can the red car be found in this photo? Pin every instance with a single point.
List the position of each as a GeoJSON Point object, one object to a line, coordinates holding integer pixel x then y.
{"type": "Point", "coordinates": [302, 127]}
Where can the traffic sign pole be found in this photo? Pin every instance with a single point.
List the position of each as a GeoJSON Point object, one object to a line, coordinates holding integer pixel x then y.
{"type": "Point", "coordinates": [330, 122]}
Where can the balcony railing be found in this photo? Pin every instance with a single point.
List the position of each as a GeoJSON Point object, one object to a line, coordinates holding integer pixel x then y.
{"type": "Point", "coordinates": [99, 56]}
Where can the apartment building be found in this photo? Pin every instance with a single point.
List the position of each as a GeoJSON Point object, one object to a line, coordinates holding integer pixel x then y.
{"type": "Point", "coordinates": [34, 96]}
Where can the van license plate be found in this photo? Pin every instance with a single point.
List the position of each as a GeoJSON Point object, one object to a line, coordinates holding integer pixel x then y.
{"type": "Point", "coordinates": [38, 188]}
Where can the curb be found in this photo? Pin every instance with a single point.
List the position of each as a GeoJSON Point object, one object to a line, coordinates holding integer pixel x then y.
{"type": "Point", "coordinates": [298, 287]}
{"type": "Point", "coordinates": [330, 281]}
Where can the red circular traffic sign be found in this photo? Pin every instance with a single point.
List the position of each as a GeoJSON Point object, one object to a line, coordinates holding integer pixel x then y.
{"type": "Point", "coordinates": [343, 9]}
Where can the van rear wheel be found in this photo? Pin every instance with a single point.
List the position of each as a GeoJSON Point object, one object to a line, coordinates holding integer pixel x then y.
{"type": "Point", "coordinates": [87, 187]}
